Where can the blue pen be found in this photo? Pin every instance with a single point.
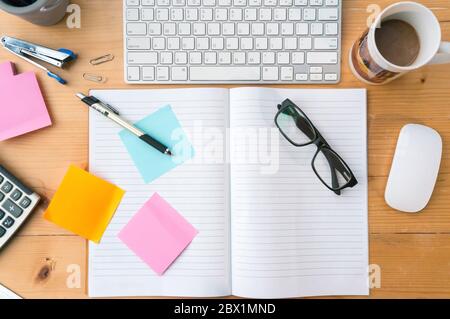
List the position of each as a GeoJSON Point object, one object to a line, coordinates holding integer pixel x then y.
{"type": "Point", "coordinates": [27, 50]}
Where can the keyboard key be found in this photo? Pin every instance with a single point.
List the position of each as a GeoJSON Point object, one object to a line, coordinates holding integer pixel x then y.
{"type": "Point", "coordinates": [2, 231]}
{"type": "Point", "coordinates": [7, 187]}
{"type": "Point", "coordinates": [302, 28]}
{"type": "Point", "coordinates": [325, 43]}
{"type": "Point", "coordinates": [270, 74]}
{"type": "Point", "coordinates": [217, 43]}
{"type": "Point", "coordinates": [180, 58]}
{"type": "Point", "coordinates": [268, 58]}
{"type": "Point", "coordinates": [2, 214]}
{"type": "Point", "coordinates": [210, 58]}
{"type": "Point", "coordinates": [195, 58]}
{"type": "Point", "coordinates": [133, 73]}
{"type": "Point", "coordinates": [239, 58]}
{"type": "Point", "coordinates": [148, 73]}
{"type": "Point", "coordinates": [280, 14]}
{"type": "Point", "coordinates": [322, 58]}
{"type": "Point", "coordinates": [179, 73]}
{"type": "Point", "coordinates": [148, 14]}
{"type": "Point", "coordinates": [331, 77]}
{"type": "Point", "coordinates": [16, 195]}
{"type": "Point", "coordinates": [331, 28]}
{"type": "Point", "coordinates": [166, 58]}
{"type": "Point", "coordinates": [137, 28]}
{"type": "Point", "coordinates": [305, 43]}
{"type": "Point", "coordinates": [138, 43]}
{"type": "Point", "coordinates": [330, 14]}
{"type": "Point", "coordinates": [298, 57]}
{"type": "Point", "coordinates": [162, 14]}
{"type": "Point", "coordinates": [159, 43]}
{"type": "Point", "coordinates": [225, 73]}
{"type": "Point", "coordinates": [224, 58]}
{"type": "Point", "coordinates": [250, 14]}
{"type": "Point", "coordinates": [295, 14]}
{"type": "Point", "coordinates": [173, 43]}
{"type": "Point", "coordinates": [188, 43]}
{"type": "Point", "coordinates": [283, 58]}
{"type": "Point", "coordinates": [287, 73]}
{"type": "Point", "coordinates": [142, 58]}
{"type": "Point", "coordinates": [154, 28]}
{"type": "Point", "coordinates": [25, 202]}
{"type": "Point", "coordinates": [254, 58]}
{"type": "Point", "coordinates": [316, 77]}
{"type": "Point", "coordinates": [162, 73]}
{"type": "Point", "coordinates": [8, 222]}
{"type": "Point", "coordinates": [287, 29]}
{"type": "Point", "coordinates": [316, 28]}
{"type": "Point", "coordinates": [176, 14]}
{"type": "Point", "coordinates": [169, 28]}
{"type": "Point", "coordinates": [132, 14]}
{"type": "Point", "coordinates": [184, 29]}
{"type": "Point", "coordinates": [1, 179]}
{"type": "Point", "coordinates": [10, 207]}
{"type": "Point", "coordinates": [301, 77]}
{"type": "Point", "coordinates": [290, 43]}
{"type": "Point", "coordinates": [1, 196]}
{"type": "Point", "coordinates": [309, 14]}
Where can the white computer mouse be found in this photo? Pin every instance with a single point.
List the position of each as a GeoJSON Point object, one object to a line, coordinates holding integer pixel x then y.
{"type": "Point", "coordinates": [414, 169]}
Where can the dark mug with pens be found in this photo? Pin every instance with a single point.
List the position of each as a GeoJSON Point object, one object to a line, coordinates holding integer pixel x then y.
{"type": "Point", "coordinates": [41, 12]}
{"type": "Point", "coordinates": [111, 113]}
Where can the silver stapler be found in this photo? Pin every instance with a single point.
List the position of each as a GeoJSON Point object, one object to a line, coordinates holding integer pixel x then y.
{"type": "Point", "coordinates": [30, 52]}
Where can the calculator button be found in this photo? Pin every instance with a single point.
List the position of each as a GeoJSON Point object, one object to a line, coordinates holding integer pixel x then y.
{"type": "Point", "coordinates": [1, 196]}
{"type": "Point", "coordinates": [8, 222]}
{"type": "Point", "coordinates": [16, 195]}
{"type": "Point", "coordinates": [2, 214]}
{"type": "Point", "coordinates": [25, 202]}
{"type": "Point", "coordinates": [1, 179]}
{"type": "Point", "coordinates": [2, 231]}
{"type": "Point", "coordinates": [12, 208]}
{"type": "Point", "coordinates": [7, 187]}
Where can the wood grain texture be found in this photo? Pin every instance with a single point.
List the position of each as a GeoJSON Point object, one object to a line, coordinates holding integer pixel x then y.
{"type": "Point", "coordinates": [413, 251]}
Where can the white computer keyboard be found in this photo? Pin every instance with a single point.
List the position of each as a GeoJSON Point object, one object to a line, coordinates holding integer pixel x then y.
{"type": "Point", "coordinates": [232, 41]}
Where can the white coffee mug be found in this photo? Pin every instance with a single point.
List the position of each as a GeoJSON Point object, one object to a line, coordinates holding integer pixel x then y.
{"type": "Point", "coordinates": [366, 61]}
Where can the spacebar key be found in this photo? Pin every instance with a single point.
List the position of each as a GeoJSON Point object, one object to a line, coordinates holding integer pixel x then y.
{"type": "Point", "coordinates": [225, 73]}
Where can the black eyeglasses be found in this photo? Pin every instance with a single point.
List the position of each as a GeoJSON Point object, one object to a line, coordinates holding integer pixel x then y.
{"type": "Point", "coordinates": [329, 167]}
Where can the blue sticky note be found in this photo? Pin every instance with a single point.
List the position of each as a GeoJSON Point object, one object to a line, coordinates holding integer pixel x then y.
{"type": "Point", "coordinates": [164, 126]}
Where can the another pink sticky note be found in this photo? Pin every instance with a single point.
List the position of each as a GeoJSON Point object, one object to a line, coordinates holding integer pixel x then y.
{"type": "Point", "coordinates": [158, 234]}
{"type": "Point", "coordinates": [22, 107]}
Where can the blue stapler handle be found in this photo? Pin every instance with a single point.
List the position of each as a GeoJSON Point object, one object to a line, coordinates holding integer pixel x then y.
{"type": "Point", "coordinates": [73, 56]}
{"type": "Point", "coordinates": [57, 77]}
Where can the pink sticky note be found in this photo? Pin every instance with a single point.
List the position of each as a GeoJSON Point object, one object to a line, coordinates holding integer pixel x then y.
{"type": "Point", "coordinates": [22, 107]}
{"type": "Point", "coordinates": [157, 234]}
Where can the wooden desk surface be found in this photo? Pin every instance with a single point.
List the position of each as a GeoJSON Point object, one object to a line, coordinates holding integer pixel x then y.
{"type": "Point", "coordinates": [413, 251]}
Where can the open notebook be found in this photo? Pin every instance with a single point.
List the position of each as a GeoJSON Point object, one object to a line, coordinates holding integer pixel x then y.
{"type": "Point", "coordinates": [267, 227]}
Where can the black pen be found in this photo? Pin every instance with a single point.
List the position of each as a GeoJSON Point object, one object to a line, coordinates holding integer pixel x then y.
{"type": "Point", "coordinates": [111, 113]}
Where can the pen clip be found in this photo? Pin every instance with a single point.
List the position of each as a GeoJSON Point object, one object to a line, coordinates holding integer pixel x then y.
{"type": "Point", "coordinates": [105, 105]}
{"type": "Point", "coordinates": [112, 109]}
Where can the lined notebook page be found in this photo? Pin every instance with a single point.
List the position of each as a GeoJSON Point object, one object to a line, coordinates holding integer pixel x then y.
{"type": "Point", "coordinates": [5, 293]}
{"type": "Point", "coordinates": [290, 235]}
{"type": "Point", "coordinates": [199, 192]}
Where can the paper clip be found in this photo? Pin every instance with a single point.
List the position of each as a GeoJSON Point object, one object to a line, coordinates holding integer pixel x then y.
{"type": "Point", "coordinates": [94, 78]}
{"type": "Point", "coordinates": [102, 59]}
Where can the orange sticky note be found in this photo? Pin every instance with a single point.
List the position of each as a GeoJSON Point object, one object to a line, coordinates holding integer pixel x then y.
{"type": "Point", "coordinates": [84, 204]}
